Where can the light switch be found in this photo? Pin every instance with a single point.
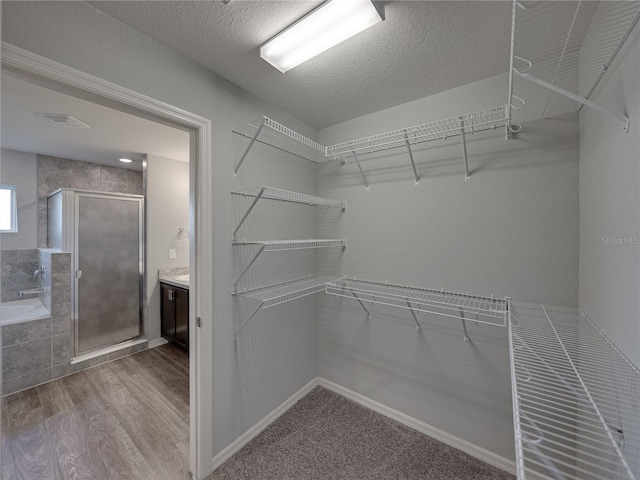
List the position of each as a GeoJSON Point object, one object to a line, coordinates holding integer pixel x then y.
{"type": "Point", "coordinates": [172, 253]}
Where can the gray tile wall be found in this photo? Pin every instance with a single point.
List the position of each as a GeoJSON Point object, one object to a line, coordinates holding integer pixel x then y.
{"type": "Point", "coordinates": [54, 173]}
{"type": "Point", "coordinates": [17, 267]}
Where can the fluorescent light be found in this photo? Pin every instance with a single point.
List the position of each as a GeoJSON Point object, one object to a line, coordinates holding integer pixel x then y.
{"type": "Point", "coordinates": [126, 160]}
{"type": "Point", "coordinates": [326, 26]}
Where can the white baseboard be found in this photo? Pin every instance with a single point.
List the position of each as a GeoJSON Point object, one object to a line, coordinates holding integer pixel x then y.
{"type": "Point", "coordinates": [433, 432]}
{"type": "Point", "coordinates": [247, 436]}
{"type": "Point", "coordinates": [156, 342]}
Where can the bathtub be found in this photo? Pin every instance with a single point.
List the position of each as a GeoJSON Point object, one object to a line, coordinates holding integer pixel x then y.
{"type": "Point", "coordinates": [20, 311]}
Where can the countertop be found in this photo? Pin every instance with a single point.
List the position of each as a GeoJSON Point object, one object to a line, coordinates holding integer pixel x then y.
{"type": "Point", "coordinates": [169, 275]}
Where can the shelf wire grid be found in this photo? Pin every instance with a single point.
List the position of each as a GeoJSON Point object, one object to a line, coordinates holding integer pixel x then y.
{"type": "Point", "coordinates": [487, 119]}
{"type": "Point", "coordinates": [283, 138]}
{"type": "Point", "coordinates": [285, 292]}
{"type": "Point", "coordinates": [576, 398]}
{"type": "Point", "coordinates": [271, 193]}
{"type": "Point", "coordinates": [491, 311]}
{"type": "Point", "coordinates": [285, 245]}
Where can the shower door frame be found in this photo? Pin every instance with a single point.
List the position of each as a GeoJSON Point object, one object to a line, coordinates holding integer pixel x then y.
{"type": "Point", "coordinates": [76, 260]}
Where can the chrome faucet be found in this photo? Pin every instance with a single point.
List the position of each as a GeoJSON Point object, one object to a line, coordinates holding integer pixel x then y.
{"type": "Point", "coordinates": [39, 273]}
{"type": "Point", "coordinates": [31, 291]}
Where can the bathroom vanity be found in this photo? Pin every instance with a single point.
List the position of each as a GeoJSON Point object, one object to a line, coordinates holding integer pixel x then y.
{"type": "Point", "coordinates": [174, 308]}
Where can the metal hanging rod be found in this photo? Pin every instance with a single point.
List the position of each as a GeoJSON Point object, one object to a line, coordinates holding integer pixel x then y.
{"type": "Point", "coordinates": [283, 246]}
{"type": "Point", "coordinates": [576, 397]}
{"type": "Point", "coordinates": [273, 295]}
{"type": "Point", "coordinates": [485, 310]}
{"type": "Point", "coordinates": [271, 193]}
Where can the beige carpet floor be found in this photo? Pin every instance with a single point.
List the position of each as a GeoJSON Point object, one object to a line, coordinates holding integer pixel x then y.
{"type": "Point", "coordinates": [327, 437]}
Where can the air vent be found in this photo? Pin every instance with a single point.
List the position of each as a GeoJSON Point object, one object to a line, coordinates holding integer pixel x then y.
{"type": "Point", "coordinates": [64, 120]}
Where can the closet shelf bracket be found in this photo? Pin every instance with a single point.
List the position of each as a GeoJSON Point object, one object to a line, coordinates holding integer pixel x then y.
{"type": "Point", "coordinates": [464, 150]}
{"type": "Point", "coordinates": [487, 310]}
{"type": "Point", "coordinates": [577, 98]}
{"type": "Point", "coordinates": [364, 179]}
{"type": "Point", "coordinates": [413, 164]}
{"type": "Point", "coordinates": [272, 295]}
{"type": "Point", "coordinates": [283, 246]}
{"type": "Point", "coordinates": [271, 193]}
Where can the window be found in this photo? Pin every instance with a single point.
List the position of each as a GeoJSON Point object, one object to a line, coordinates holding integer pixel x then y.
{"type": "Point", "coordinates": [8, 209]}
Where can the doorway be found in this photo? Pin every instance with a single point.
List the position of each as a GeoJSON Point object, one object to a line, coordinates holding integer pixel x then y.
{"type": "Point", "coordinates": [39, 70]}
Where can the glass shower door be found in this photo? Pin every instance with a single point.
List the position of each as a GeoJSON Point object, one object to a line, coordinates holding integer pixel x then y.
{"type": "Point", "coordinates": [108, 270]}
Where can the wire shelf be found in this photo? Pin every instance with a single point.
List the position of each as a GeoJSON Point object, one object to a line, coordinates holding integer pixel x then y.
{"type": "Point", "coordinates": [472, 122]}
{"type": "Point", "coordinates": [286, 196]}
{"type": "Point", "coordinates": [284, 245]}
{"type": "Point", "coordinates": [273, 295]}
{"type": "Point", "coordinates": [283, 138]}
{"type": "Point", "coordinates": [272, 193]}
{"type": "Point", "coordinates": [486, 310]}
{"type": "Point", "coordinates": [576, 397]}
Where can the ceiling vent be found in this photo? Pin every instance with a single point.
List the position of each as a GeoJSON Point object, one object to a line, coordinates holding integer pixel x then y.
{"type": "Point", "coordinates": [64, 120]}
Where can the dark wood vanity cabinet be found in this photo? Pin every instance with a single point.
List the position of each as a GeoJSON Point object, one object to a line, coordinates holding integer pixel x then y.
{"type": "Point", "coordinates": [174, 315]}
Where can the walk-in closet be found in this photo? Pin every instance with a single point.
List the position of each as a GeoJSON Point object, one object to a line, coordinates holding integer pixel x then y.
{"type": "Point", "coordinates": [417, 251]}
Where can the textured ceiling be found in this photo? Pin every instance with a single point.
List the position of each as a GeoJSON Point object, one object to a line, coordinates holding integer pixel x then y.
{"type": "Point", "coordinates": [112, 135]}
{"type": "Point", "coordinates": [422, 48]}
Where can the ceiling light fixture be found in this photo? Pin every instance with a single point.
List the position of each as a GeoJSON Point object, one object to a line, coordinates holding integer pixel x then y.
{"type": "Point", "coordinates": [328, 25]}
{"type": "Point", "coordinates": [126, 160]}
{"type": "Point", "coordinates": [63, 120]}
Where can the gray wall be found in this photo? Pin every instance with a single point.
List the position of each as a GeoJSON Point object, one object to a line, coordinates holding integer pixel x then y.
{"type": "Point", "coordinates": [609, 202]}
{"type": "Point", "coordinates": [511, 231]}
{"type": "Point", "coordinates": [19, 169]}
{"type": "Point", "coordinates": [278, 365]}
{"type": "Point", "coordinates": [167, 203]}
{"type": "Point", "coordinates": [55, 173]}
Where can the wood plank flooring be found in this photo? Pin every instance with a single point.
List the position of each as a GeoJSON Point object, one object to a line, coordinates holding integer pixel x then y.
{"type": "Point", "coordinates": [127, 419]}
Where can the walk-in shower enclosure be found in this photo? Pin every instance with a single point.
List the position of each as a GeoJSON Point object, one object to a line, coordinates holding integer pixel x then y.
{"type": "Point", "coordinates": [104, 232]}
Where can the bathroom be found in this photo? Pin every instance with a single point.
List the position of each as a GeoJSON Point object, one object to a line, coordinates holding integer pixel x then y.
{"type": "Point", "coordinates": [77, 290]}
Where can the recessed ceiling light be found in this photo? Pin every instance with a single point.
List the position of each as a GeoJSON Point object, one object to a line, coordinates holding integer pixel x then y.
{"type": "Point", "coordinates": [63, 120]}
{"type": "Point", "coordinates": [328, 25]}
{"type": "Point", "coordinates": [126, 160]}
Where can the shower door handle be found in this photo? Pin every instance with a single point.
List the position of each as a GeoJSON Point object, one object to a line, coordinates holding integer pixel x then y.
{"type": "Point", "coordinates": [78, 273]}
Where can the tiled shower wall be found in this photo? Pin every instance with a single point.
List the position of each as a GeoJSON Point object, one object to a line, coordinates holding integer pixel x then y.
{"type": "Point", "coordinates": [55, 173]}
{"type": "Point", "coordinates": [18, 267]}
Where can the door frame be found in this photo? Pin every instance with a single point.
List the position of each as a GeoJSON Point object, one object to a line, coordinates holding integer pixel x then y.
{"type": "Point", "coordinates": [45, 72]}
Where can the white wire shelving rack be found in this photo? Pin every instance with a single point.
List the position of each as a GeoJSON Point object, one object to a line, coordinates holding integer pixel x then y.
{"type": "Point", "coordinates": [485, 310]}
{"type": "Point", "coordinates": [273, 295]}
{"type": "Point", "coordinates": [576, 398]}
{"type": "Point", "coordinates": [546, 69]}
{"type": "Point", "coordinates": [406, 138]}
{"type": "Point", "coordinates": [283, 246]}
{"type": "Point", "coordinates": [281, 137]}
{"type": "Point", "coordinates": [271, 193]}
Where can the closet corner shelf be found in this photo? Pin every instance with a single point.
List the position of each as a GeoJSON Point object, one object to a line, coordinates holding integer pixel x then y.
{"type": "Point", "coordinates": [283, 246]}
{"type": "Point", "coordinates": [486, 310]}
{"type": "Point", "coordinates": [283, 138]}
{"type": "Point", "coordinates": [271, 193]}
{"type": "Point", "coordinates": [272, 295]}
{"type": "Point", "coordinates": [576, 397]}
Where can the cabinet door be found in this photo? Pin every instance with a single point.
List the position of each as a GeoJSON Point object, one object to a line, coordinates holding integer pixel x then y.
{"type": "Point", "coordinates": [167, 312]}
{"type": "Point", "coordinates": [182, 317]}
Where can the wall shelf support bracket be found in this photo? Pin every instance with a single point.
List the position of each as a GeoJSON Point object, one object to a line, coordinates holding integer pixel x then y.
{"type": "Point", "coordinates": [247, 320]}
{"type": "Point", "coordinates": [255, 257]}
{"type": "Point", "coordinates": [577, 98]}
{"type": "Point", "coordinates": [413, 164]}
{"type": "Point", "coordinates": [413, 313]}
{"type": "Point", "coordinates": [244, 155]}
{"type": "Point", "coordinates": [464, 326]}
{"type": "Point", "coordinates": [361, 304]}
{"type": "Point", "coordinates": [464, 150]}
{"type": "Point", "coordinates": [244, 217]}
{"type": "Point", "coordinates": [364, 179]}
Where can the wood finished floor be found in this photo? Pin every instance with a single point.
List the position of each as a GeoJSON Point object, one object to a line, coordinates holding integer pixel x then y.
{"type": "Point", "coordinates": [127, 419]}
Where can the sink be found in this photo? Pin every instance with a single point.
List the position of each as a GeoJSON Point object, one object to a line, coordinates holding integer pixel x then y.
{"type": "Point", "coordinates": [182, 278]}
